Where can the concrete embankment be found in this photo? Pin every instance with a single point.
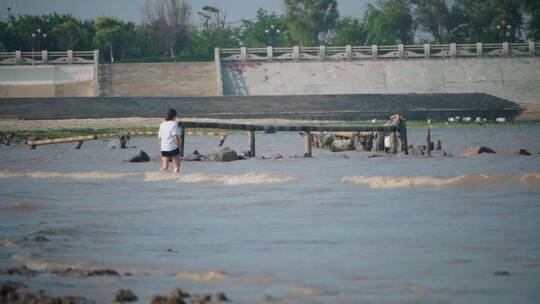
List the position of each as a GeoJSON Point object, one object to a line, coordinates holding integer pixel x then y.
{"type": "Point", "coordinates": [158, 79]}
{"type": "Point", "coordinates": [47, 80]}
{"type": "Point", "coordinates": [515, 79]}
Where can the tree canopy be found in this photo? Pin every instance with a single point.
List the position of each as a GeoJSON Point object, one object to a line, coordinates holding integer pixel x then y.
{"type": "Point", "coordinates": [168, 30]}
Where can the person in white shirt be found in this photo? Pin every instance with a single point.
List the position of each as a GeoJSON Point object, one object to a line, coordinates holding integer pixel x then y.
{"type": "Point", "coordinates": [169, 141]}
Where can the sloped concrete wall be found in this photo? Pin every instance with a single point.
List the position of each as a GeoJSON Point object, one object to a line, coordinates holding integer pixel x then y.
{"type": "Point", "coordinates": [515, 79]}
{"type": "Point", "coordinates": [47, 81]}
{"type": "Point", "coordinates": [159, 79]}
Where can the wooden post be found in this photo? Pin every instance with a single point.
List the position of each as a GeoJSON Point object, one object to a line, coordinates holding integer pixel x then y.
{"type": "Point", "coordinates": [438, 145]}
{"type": "Point", "coordinates": [307, 149]}
{"type": "Point", "coordinates": [403, 138]}
{"type": "Point", "coordinates": [251, 143]}
{"type": "Point", "coordinates": [379, 141]}
{"type": "Point", "coordinates": [393, 143]}
{"type": "Point", "coordinates": [79, 145]}
{"type": "Point", "coordinates": [428, 142]}
{"type": "Point", "coordinates": [182, 140]}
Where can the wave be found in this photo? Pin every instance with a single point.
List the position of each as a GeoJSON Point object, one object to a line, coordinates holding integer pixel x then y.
{"type": "Point", "coordinates": [466, 180]}
{"type": "Point", "coordinates": [208, 277]}
{"type": "Point", "coordinates": [531, 179]}
{"type": "Point", "coordinates": [253, 178]}
{"type": "Point", "coordinates": [312, 291]}
{"type": "Point", "coordinates": [34, 263]}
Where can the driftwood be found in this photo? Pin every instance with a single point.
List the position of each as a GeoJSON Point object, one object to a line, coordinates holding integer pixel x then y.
{"type": "Point", "coordinates": [79, 139]}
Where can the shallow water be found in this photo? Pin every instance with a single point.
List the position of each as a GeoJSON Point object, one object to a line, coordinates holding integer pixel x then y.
{"type": "Point", "coordinates": [324, 230]}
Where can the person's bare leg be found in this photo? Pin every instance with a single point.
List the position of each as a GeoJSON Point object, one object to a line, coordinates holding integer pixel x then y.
{"type": "Point", "coordinates": [164, 164]}
{"type": "Point", "coordinates": [176, 164]}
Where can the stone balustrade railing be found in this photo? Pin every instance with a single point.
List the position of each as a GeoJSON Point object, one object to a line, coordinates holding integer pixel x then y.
{"type": "Point", "coordinates": [400, 51]}
{"type": "Point", "coordinates": [49, 57]}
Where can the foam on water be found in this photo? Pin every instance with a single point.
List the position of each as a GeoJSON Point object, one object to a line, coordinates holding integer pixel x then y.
{"type": "Point", "coordinates": [253, 178]}
{"type": "Point", "coordinates": [466, 180]}
{"type": "Point", "coordinates": [211, 276]}
{"type": "Point", "coordinates": [531, 179]}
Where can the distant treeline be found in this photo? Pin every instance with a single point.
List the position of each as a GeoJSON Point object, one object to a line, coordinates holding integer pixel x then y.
{"type": "Point", "coordinates": [167, 33]}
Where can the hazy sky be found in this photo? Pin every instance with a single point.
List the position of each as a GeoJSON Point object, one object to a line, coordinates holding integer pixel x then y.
{"type": "Point", "coordinates": [130, 9]}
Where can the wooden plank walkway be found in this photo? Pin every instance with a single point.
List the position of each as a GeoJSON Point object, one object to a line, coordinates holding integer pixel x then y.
{"type": "Point", "coordinates": [380, 130]}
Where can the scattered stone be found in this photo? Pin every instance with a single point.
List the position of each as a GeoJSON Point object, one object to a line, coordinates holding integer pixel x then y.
{"type": "Point", "coordinates": [179, 296]}
{"type": "Point", "coordinates": [41, 238]}
{"type": "Point", "coordinates": [140, 158]}
{"type": "Point", "coordinates": [162, 300]}
{"type": "Point", "coordinates": [125, 295]}
{"type": "Point", "coordinates": [195, 156]}
{"type": "Point", "coordinates": [219, 297]}
{"type": "Point", "coordinates": [202, 298]}
{"type": "Point", "coordinates": [88, 273]}
{"type": "Point", "coordinates": [342, 145]}
{"type": "Point", "coordinates": [500, 119]}
{"type": "Point", "coordinates": [176, 296]}
{"type": "Point", "coordinates": [225, 154]}
{"type": "Point", "coordinates": [523, 152]}
{"type": "Point", "coordinates": [276, 156]}
{"type": "Point", "coordinates": [19, 271]}
{"type": "Point", "coordinates": [376, 155]}
{"type": "Point", "coordinates": [476, 151]}
{"type": "Point", "coordinates": [178, 293]}
{"type": "Point", "coordinates": [501, 273]}
{"type": "Point", "coordinates": [10, 294]}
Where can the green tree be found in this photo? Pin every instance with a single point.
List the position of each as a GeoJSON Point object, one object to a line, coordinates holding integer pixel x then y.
{"type": "Point", "coordinates": [389, 22]}
{"type": "Point", "coordinates": [254, 33]}
{"type": "Point", "coordinates": [532, 8]}
{"type": "Point", "coordinates": [168, 20]}
{"type": "Point", "coordinates": [350, 32]}
{"type": "Point", "coordinates": [108, 33]}
{"type": "Point", "coordinates": [440, 18]}
{"type": "Point", "coordinates": [72, 34]}
{"type": "Point", "coordinates": [310, 20]}
{"type": "Point", "coordinates": [480, 20]}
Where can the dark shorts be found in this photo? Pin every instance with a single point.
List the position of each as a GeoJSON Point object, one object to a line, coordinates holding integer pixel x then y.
{"type": "Point", "coordinates": [172, 153]}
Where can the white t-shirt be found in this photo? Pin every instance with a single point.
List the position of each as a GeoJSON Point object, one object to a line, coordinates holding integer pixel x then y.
{"type": "Point", "coordinates": [168, 130]}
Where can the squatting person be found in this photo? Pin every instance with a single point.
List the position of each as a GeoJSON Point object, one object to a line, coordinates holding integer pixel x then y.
{"type": "Point", "coordinates": [169, 140]}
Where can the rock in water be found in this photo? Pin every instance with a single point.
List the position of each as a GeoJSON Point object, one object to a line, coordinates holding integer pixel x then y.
{"type": "Point", "coordinates": [223, 155]}
{"type": "Point", "coordinates": [276, 156]}
{"type": "Point", "coordinates": [125, 295]}
{"type": "Point", "coordinates": [120, 143]}
{"type": "Point", "coordinates": [523, 152]}
{"type": "Point", "coordinates": [476, 151]}
{"type": "Point", "coordinates": [342, 145]}
{"type": "Point", "coordinates": [195, 156]}
{"type": "Point", "coordinates": [140, 158]}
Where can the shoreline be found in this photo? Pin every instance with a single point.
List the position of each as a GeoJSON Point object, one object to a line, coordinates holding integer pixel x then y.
{"type": "Point", "coordinates": [139, 126]}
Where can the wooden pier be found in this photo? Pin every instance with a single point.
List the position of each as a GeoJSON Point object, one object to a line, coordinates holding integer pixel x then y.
{"type": "Point", "coordinates": [380, 131]}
